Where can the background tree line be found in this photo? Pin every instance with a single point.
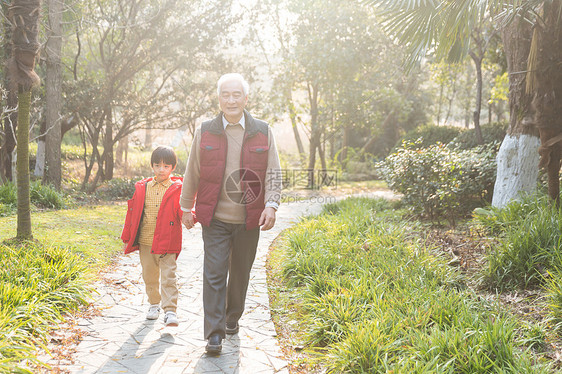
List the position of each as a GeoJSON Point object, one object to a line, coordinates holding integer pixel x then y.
{"type": "Point", "coordinates": [114, 67]}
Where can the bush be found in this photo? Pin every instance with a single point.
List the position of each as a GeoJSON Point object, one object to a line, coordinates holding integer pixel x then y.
{"type": "Point", "coordinates": [42, 196]}
{"type": "Point", "coordinates": [116, 189]}
{"type": "Point", "coordinates": [429, 134]}
{"type": "Point", "coordinates": [74, 152]}
{"type": "Point", "coordinates": [492, 133]}
{"type": "Point", "coordinates": [46, 196]}
{"type": "Point", "coordinates": [438, 181]}
{"type": "Point", "coordinates": [8, 194]}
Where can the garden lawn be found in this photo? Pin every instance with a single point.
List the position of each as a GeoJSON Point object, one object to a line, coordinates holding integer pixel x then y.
{"type": "Point", "coordinates": [41, 281]}
{"type": "Point", "coordinates": [356, 292]}
{"type": "Point", "coordinates": [93, 231]}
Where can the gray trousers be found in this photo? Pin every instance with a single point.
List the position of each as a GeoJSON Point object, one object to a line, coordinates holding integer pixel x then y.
{"type": "Point", "coordinates": [230, 251]}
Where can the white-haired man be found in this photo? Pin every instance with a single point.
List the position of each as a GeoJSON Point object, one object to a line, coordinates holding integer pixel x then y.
{"type": "Point", "coordinates": [232, 178]}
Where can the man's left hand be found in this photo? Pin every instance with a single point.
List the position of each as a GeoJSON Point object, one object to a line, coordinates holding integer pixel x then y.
{"type": "Point", "coordinates": [267, 219]}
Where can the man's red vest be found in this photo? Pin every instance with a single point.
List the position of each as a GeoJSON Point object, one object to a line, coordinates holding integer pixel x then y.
{"type": "Point", "coordinates": [253, 168]}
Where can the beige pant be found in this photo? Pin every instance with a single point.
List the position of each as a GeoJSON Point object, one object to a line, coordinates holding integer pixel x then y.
{"type": "Point", "coordinates": [159, 272]}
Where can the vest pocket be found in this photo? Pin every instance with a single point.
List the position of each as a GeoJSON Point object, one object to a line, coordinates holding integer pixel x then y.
{"type": "Point", "coordinates": [209, 154]}
{"type": "Point", "coordinates": [258, 157]}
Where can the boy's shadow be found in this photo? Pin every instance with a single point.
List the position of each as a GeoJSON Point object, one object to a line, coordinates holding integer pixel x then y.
{"type": "Point", "coordinates": [128, 359]}
{"type": "Point", "coordinates": [227, 362]}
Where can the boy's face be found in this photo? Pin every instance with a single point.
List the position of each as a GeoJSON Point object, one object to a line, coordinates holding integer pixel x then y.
{"type": "Point", "coordinates": [162, 171]}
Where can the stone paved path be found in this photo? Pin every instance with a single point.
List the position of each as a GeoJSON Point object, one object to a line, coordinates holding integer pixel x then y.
{"type": "Point", "coordinates": [121, 340]}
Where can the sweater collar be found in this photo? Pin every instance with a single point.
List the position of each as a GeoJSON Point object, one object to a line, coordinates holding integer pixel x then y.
{"type": "Point", "coordinates": [217, 126]}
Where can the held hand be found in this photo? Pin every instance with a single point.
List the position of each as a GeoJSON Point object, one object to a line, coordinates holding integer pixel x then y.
{"type": "Point", "coordinates": [267, 219]}
{"type": "Point", "coordinates": [187, 220]}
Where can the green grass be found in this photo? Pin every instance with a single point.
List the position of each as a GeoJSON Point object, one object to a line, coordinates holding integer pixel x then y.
{"type": "Point", "coordinates": [40, 283]}
{"type": "Point", "coordinates": [92, 232]}
{"type": "Point", "coordinates": [367, 298]}
{"type": "Point", "coordinates": [530, 240]}
{"type": "Point", "coordinates": [41, 196]}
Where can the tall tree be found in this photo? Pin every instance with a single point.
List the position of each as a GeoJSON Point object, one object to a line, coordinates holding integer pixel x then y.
{"type": "Point", "coordinates": [10, 121]}
{"type": "Point", "coordinates": [53, 86]}
{"type": "Point", "coordinates": [135, 49]}
{"type": "Point", "coordinates": [545, 80]}
{"type": "Point", "coordinates": [24, 17]}
{"type": "Point", "coordinates": [446, 26]}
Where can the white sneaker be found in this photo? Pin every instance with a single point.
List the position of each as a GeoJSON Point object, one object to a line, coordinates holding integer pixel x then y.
{"type": "Point", "coordinates": [171, 319]}
{"type": "Point", "coordinates": [153, 312]}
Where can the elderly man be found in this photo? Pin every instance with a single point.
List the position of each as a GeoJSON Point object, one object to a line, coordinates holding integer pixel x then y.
{"type": "Point", "coordinates": [232, 178]}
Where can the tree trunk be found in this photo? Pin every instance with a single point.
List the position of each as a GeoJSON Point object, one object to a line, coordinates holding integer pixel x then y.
{"type": "Point", "coordinates": [476, 116]}
{"type": "Point", "coordinates": [40, 155]}
{"type": "Point", "coordinates": [11, 121]}
{"type": "Point", "coordinates": [24, 203]}
{"type": "Point", "coordinates": [10, 126]}
{"type": "Point", "coordinates": [24, 17]}
{"type": "Point", "coordinates": [108, 160]}
{"type": "Point", "coordinates": [322, 154]}
{"type": "Point", "coordinates": [53, 85]}
{"type": "Point", "coordinates": [148, 138]}
{"type": "Point", "coordinates": [294, 124]}
{"type": "Point", "coordinates": [345, 144]}
{"type": "Point", "coordinates": [517, 160]}
{"type": "Point", "coordinates": [546, 83]}
{"type": "Point", "coordinates": [314, 132]}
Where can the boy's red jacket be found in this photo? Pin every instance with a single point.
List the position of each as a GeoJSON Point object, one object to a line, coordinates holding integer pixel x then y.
{"type": "Point", "coordinates": [167, 235]}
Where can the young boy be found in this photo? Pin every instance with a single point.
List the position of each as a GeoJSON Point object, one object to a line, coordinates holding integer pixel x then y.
{"type": "Point", "coordinates": [153, 226]}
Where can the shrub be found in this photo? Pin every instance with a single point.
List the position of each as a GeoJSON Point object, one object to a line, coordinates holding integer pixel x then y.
{"type": "Point", "coordinates": [74, 152]}
{"type": "Point", "coordinates": [429, 135]}
{"type": "Point", "coordinates": [116, 189]}
{"type": "Point", "coordinates": [492, 133]}
{"type": "Point", "coordinates": [8, 194]}
{"type": "Point", "coordinates": [46, 196]}
{"type": "Point", "coordinates": [438, 181]}
{"type": "Point", "coordinates": [42, 196]}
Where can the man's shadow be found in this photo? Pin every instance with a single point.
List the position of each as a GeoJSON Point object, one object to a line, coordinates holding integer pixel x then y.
{"type": "Point", "coordinates": [129, 359]}
{"type": "Point", "coordinates": [227, 362]}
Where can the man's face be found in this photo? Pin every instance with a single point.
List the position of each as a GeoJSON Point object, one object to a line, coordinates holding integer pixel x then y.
{"type": "Point", "coordinates": [232, 100]}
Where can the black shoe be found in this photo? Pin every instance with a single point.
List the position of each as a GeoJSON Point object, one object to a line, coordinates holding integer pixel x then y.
{"type": "Point", "coordinates": [214, 344]}
{"type": "Point", "coordinates": [232, 328]}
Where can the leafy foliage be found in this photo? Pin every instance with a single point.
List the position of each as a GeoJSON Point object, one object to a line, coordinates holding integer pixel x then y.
{"type": "Point", "coordinates": [439, 181]}
{"type": "Point", "coordinates": [492, 133]}
{"type": "Point", "coordinates": [42, 196]}
{"type": "Point", "coordinates": [429, 135]}
{"type": "Point", "coordinates": [116, 189]}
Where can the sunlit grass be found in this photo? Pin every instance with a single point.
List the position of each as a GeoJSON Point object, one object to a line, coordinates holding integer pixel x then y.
{"type": "Point", "coordinates": [530, 238]}
{"type": "Point", "coordinates": [42, 281]}
{"type": "Point", "coordinates": [92, 231]}
{"type": "Point", "coordinates": [365, 297]}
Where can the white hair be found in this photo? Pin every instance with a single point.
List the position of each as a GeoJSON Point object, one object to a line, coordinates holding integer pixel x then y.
{"type": "Point", "coordinates": [233, 77]}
